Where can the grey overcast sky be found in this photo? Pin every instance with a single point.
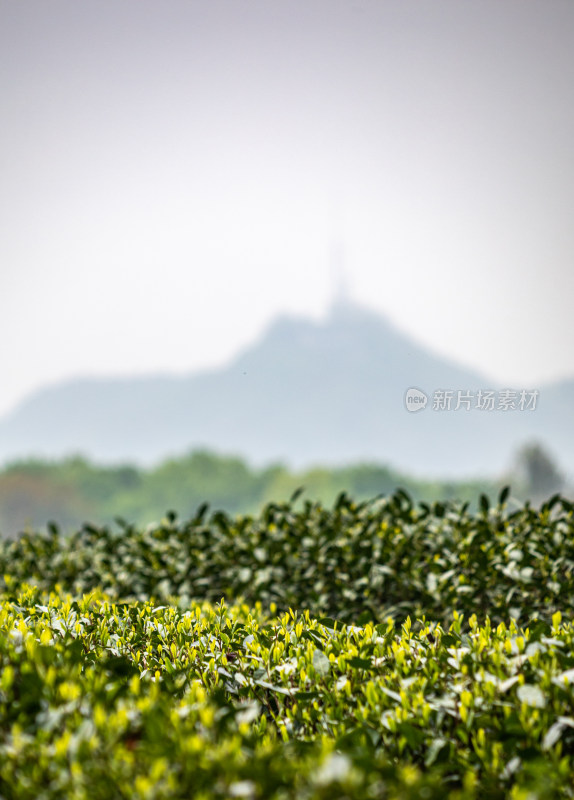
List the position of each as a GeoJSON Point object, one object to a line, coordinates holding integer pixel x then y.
{"type": "Point", "coordinates": [175, 174]}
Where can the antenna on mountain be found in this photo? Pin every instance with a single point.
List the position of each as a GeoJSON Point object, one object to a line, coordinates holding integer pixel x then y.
{"type": "Point", "coordinates": [340, 295]}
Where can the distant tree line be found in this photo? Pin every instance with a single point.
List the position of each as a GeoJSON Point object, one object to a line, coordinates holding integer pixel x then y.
{"type": "Point", "coordinates": [74, 490]}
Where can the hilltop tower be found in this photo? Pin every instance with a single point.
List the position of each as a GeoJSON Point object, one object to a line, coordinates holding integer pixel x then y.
{"type": "Point", "coordinates": [339, 276]}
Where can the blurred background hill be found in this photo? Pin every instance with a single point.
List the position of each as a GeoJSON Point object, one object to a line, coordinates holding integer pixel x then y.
{"type": "Point", "coordinates": [307, 392]}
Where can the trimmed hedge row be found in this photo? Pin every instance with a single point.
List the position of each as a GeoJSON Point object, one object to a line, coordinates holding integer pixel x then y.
{"type": "Point", "coordinates": [354, 562]}
{"type": "Point", "coordinates": [102, 700]}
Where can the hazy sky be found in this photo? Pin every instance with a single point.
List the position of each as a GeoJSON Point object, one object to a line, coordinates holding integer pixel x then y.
{"type": "Point", "coordinates": [173, 175]}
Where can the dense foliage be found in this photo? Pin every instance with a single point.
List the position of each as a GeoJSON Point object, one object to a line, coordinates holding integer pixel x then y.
{"type": "Point", "coordinates": [354, 561]}
{"type": "Point", "coordinates": [369, 650]}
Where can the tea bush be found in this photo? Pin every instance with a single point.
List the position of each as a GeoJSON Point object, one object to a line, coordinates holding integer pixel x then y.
{"type": "Point", "coordinates": [353, 562]}
{"type": "Point", "coordinates": [405, 669]}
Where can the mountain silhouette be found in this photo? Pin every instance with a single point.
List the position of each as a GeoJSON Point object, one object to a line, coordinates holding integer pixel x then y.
{"type": "Point", "coordinates": [306, 393]}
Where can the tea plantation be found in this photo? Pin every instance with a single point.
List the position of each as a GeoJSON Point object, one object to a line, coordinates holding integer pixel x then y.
{"type": "Point", "coordinates": [373, 650]}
